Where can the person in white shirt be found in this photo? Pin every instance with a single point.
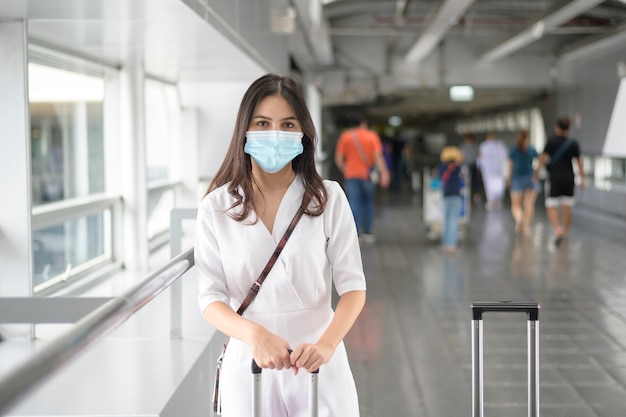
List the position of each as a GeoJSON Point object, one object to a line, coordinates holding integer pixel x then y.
{"type": "Point", "coordinates": [268, 171]}
{"type": "Point", "coordinates": [492, 161]}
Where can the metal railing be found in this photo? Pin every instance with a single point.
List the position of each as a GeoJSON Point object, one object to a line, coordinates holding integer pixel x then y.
{"type": "Point", "coordinates": [25, 377]}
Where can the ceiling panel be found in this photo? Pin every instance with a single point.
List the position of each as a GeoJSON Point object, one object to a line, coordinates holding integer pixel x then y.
{"type": "Point", "coordinates": [369, 41]}
{"type": "Point", "coordinates": [171, 40]}
{"type": "Point", "coordinates": [396, 25]}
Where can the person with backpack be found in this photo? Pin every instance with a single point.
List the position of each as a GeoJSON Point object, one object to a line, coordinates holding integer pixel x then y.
{"type": "Point", "coordinates": [449, 171]}
{"type": "Point", "coordinates": [557, 156]}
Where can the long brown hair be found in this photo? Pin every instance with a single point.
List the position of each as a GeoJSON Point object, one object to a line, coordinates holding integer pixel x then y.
{"type": "Point", "coordinates": [521, 139]}
{"type": "Point", "coordinates": [236, 169]}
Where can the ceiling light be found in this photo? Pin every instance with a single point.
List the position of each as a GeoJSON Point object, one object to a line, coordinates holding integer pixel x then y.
{"type": "Point", "coordinates": [395, 121]}
{"type": "Point", "coordinates": [461, 93]}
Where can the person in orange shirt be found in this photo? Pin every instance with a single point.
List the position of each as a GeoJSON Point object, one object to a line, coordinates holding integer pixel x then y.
{"type": "Point", "coordinates": [358, 151]}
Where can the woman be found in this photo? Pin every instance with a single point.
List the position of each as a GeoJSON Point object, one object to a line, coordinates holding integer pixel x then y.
{"type": "Point", "coordinates": [523, 187]}
{"type": "Point", "coordinates": [268, 171]}
{"type": "Point", "coordinates": [449, 170]}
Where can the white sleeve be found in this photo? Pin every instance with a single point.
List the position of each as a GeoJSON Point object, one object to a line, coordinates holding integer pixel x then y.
{"type": "Point", "coordinates": [208, 260]}
{"type": "Point", "coordinates": [343, 249]}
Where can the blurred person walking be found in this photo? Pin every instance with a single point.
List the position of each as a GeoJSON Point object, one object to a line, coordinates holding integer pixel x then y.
{"type": "Point", "coordinates": [492, 162]}
{"type": "Point", "coordinates": [521, 182]}
{"type": "Point", "coordinates": [557, 156]}
{"type": "Point", "coordinates": [469, 148]}
{"type": "Point", "coordinates": [449, 170]}
{"type": "Point", "coordinates": [358, 151]}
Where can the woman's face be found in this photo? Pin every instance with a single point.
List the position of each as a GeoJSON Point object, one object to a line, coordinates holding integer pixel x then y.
{"type": "Point", "coordinates": [274, 113]}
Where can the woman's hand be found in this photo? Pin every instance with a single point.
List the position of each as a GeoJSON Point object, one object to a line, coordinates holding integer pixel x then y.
{"type": "Point", "coordinates": [310, 356]}
{"type": "Point", "coordinates": [268, 350]}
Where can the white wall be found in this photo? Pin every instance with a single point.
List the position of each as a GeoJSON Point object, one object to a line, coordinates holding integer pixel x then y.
{"type": "Point", "coordinates": [217, 105]}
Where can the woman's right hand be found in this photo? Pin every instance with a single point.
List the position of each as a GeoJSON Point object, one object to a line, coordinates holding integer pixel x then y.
{"type": "Point", "coordinates": [269, 350]}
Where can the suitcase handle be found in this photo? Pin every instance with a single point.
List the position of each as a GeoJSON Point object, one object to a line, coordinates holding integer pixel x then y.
{"type": "Point", "coordinates": [531, 309]}
{"type": "Point", "coordinates": [256, 394]}
{"type": "Point", "coordinates": [256, 369]}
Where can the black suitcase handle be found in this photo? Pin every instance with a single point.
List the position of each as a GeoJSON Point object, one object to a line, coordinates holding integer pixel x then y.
{"type": "Point", "coordinates": [256, 369]}
{"type": "Point", "coordinates": [532, 311]}
{"type": "Point", "coordinates": [256, 392]}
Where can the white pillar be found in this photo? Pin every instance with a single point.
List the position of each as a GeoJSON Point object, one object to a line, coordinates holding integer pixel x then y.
{"type": "Point", "coordinates": [314, 103]}
{"type": "Point", "coordinates": [186, 167]}
{"type": "Point", "coordinates": [133, 168]}
{"type": "Point", "coordinates": [16, 258]}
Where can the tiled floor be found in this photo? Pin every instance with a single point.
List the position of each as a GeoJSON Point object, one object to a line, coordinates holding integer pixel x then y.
{"type": "Point", "coordinates": [411, 348]}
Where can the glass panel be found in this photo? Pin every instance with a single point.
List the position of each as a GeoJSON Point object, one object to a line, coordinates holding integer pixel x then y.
{"type": "Point", "coordinates": [67, 134]}
{"type": "Point", "coordinates": [69, 245]}
{"type": "Point", "coordinates": [617, 171]}
{"type": "Point", "coordinates": [162, 129]}
{"type": "Point", "coordinates": [160, 204]}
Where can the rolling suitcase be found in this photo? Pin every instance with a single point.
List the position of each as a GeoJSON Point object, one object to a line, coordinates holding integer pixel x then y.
{"type": "Point", "coordinates": [532, 312]}
{"type": "Point", "coordinates": [256, 391]}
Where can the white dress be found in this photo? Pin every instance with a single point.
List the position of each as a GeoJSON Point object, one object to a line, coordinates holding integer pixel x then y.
{"type": "Point", "coordinates": [294, 302]}
{"type": "Point", "coordinates": [493, 159]}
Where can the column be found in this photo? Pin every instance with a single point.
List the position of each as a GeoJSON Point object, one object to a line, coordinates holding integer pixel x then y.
{"type": "Point", "coordinates": [15, 167]}
{"type": "Point", "coordinates": [135, 249]}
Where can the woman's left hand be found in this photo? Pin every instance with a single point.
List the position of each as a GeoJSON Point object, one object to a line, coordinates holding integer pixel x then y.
{"type": "Point", "coordinates": [310, 356]}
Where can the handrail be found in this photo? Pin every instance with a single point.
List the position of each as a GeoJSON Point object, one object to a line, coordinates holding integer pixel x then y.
{"type": "Point", "coordinates": [88, 330]}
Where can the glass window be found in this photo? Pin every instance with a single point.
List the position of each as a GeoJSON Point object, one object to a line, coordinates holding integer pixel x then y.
{"type": "Point", "coordinates": [160, 204]}
{"type": "Point", "coordinates": [609, 172]}
{"type": "Point", "coordinates": [162, 108]}
{"type": "Point", "coordinates": [68, 166]}
{"type": "Point", "coordinates": [67, 134]}
{"type": "Point", "coordinates": [61, 249]}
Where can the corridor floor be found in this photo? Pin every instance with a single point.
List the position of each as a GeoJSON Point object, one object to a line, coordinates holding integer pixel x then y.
{"type": "Point", "coordinates": [410, 349]}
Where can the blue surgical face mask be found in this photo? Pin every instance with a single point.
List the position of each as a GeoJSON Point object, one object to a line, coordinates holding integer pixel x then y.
{"type": "Point", "coordinates": [273, 149]}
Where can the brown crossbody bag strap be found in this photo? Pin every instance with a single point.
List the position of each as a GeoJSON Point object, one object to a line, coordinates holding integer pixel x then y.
{"type": "Point", "coordinates": [252, 293]}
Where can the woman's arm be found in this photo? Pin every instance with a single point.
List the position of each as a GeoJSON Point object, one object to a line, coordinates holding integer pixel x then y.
{"type": "Point", "coordinates": [381, 166]}
{"type": "Point", "coordinates": [312, 356]}
{"type": "Point", "coordinates": [268, 350]}
{"type": "Point", "coordinates": [348, 309]}
{"type": "Point", "coordinates": [344, 255]}
{"type": "Point", "coordinates": [541, 162]}
{"type": "Point", "coordinates": [581, 172]}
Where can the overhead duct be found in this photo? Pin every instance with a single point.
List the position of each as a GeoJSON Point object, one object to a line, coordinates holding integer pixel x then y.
{"type": "Point", "coordinates": [536, 31]}
{"type": "Point", "coordinates": [447, 15]}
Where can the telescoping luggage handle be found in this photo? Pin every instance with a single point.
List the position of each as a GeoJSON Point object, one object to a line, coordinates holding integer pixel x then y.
{"type": "Point", "coordinates": [532, 311]}
{"type": "Point", "coordinates": [256, 391]}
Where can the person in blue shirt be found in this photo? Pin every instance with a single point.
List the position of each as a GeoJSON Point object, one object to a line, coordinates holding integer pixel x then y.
{"type": "Point", "coordinates": [449, 170]}
{"type": "Point", "coordinates": [521, 182]}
